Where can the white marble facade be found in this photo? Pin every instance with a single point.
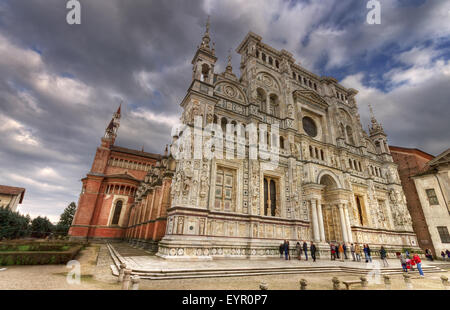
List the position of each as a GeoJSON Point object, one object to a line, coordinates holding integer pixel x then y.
{"type": "Point", "coordinates": [333, 182]}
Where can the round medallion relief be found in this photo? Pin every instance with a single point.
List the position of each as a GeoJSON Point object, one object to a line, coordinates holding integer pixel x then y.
{"type": "Point", "coordinates": [309, 126]}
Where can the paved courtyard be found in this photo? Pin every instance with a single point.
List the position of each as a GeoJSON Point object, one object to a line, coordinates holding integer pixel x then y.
{"type": "Point", "coordinates": [96, 274]}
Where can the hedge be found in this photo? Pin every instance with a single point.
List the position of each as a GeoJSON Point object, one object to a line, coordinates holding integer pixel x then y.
{"type": "Point", "coordinates": [38, 257]}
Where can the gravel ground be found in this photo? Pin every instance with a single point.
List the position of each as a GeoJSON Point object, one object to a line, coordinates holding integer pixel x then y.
{"type": "Point", "coordinates": [96, 275]}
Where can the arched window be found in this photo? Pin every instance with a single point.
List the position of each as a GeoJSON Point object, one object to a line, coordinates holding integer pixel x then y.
{"type": "Point", "coordinates": [223, 124]}
{"type": "Point", "coordinates": [205, 72]}
{"type": "Point", "coordinates": [350, 139]}
{"type": "Point", "coordinates": [263, 57]}
{"type": "Point", "coordinates": [261, 98]}
{"type": "Point", "coordinates": [274, 107]}
{"type": "Point", "coordinates": [117, 211]}
{"type": "Point", "coordinates": [270, 61]}
{"type": "Point", "coordinates": [321, 155]}
{"type": "Point", "coordinates": [277, 64]}
{"type": "Point", "coordinates": [257, 54]}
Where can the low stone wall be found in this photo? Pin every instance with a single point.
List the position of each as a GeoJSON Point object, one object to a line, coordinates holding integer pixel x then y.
{"type": "Point", "coordinates": [37, 253]}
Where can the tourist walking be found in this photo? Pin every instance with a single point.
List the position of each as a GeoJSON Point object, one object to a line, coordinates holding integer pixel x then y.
{"type": "Point", "coordinates": [341, 252]}
{"type": "Point", "coordinates": [298, 248]}
{"type": "Point", "coordinates": [383, 257]}
{"type": "Point", "coordinates": [286, 249]}
{"type": "Point", "coordinates": [344, 246]}
{"type": "Point", "coordinates": [418, 262]}
{"type": "Point", "coordinates": [358, 252]}
{"type": "Point", "coordinates": [281, 249]}
{"type": "Point", "coordinates": [333, 251]}
{"type": "Point", "coordinates": [369, 255]}
{"type": "Point", "coordinates": [448, 254]}
{"type": "Point", "coordinates": [443, 255]}
{"type": "Point", "coordinates": [313, 251]}
{"type": "Point", "coordinates": [305, 249]}
{"type": "Point", "coordinates": [352, 250]}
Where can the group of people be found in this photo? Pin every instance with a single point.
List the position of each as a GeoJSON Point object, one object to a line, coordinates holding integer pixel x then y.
{"type": "Point", "coordinates": [408, 263]}
{"type": "Point", "coordinates": [339, 251]}
{"type": "Point", "coordinates": [300, 248]}
{"type": "Point", "coordinates": [444, 254]}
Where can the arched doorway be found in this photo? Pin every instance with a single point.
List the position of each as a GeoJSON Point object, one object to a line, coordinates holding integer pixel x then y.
{"type": "Point", "coordinates": [331, 216]}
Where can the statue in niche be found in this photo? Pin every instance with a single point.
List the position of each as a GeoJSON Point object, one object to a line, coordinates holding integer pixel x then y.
{"type": "Point", "coordinates": [203, 186]}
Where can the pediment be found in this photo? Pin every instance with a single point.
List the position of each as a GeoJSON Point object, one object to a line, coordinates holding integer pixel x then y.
{"type": "Point", "coordinates": [311, 96]}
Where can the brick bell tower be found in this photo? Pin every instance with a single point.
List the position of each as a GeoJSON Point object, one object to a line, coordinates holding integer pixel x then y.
{"type": "Point", "coordinates": [91, 197]}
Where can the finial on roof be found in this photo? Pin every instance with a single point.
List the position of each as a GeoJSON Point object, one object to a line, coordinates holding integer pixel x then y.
{"type": "Point", "coordinates": [229, 66]}
{"type": "Point", "coordinates": [206, 39]}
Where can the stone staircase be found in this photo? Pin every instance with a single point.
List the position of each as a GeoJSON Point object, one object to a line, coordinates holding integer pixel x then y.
{"type": "Point", "coordinates": [192, 273]}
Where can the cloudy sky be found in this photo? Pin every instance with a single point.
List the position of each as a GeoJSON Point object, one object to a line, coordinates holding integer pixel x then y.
{"type": "Point", "coordinates": [60, 83]}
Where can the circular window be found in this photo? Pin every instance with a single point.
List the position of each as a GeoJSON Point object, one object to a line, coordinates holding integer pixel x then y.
{"type": "Point", "coordinates": [309, 126]}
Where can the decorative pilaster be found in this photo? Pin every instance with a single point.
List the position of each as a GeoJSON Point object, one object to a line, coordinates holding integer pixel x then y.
{"type": "Point", "coordinates": [347, 222]}
{"type": "Point", "coordinates": [343, 225]}
{"type": "Point", "coordinates": [315, 222]}
{"type": "Point", "coordinates": [320, 217]}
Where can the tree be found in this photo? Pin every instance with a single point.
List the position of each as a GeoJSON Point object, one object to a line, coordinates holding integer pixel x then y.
{"type": "Point", "coordinates": [13, 225]}
{"type": "Point", "coordinates": [66, 219]}
{"type": "Point", "coordinates": [41, 227]}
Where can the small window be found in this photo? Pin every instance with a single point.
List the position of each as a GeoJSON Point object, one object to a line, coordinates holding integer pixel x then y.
{"type": "Point", "coordinates": [443, 233]}
{"type": "Point", "coordinates": [432, 198]}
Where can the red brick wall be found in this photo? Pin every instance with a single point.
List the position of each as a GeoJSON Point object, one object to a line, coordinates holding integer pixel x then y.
{"type": "Point", "coordinates": [411, 162]}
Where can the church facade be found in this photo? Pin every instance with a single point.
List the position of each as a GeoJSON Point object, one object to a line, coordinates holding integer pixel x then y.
{"type": "Point", "coordinates": [332, 180]}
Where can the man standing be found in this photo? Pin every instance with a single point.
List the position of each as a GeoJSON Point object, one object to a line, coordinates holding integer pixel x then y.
{"type": "Point", "coordinates": [352, 250]}
{"type": "Point", "coordinates": [286, 249]}
{"type": "Point", "coordinates": [313, 251]}
{"type": "Point", "coordinates": [337, 249]}
{"type": "Point", "coordinates": [345, 250]}
{"type": "Point", "coordinates": [305, 249]}
{"type": "Point", "coordinates": [418, 262]}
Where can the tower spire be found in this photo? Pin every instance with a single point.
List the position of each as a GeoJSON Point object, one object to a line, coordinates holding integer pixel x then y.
{"type": "Point", "coordinates": [374, 127]}
{"type": "Point", "coordinates": [113, 126]}
{"type": "Point", "coordinates": [206, 38]}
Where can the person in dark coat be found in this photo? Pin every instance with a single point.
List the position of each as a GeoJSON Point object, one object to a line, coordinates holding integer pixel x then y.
{"type": "Point", "coordinates": [281, 250]}
{"type": "Point", "coordinates": [345, 250]}
{"type": "Point", "coordinates": [383, 256]}
{"type": "Point", "coordinates": [337, 249]}
{"type": "Point", "coordinates": [305, 249]}
{"type": "Point", "coordinates": [313, 251]}
{"type": "Point", "coordinates": [286, 249]}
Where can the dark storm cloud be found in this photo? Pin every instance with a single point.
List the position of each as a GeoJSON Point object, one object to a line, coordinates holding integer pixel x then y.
{"type": "Point", "coordinates": [59, 84]}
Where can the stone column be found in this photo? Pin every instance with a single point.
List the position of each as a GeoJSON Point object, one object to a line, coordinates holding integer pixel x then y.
{"type": "Point", "coordinates": [343, 226]}
{"type": "Point", "coordinates": [347, 222]}
{"type": "Point", "coordinates": [315, 223]}
{"type": "Point", "coordinates": [320, 217]}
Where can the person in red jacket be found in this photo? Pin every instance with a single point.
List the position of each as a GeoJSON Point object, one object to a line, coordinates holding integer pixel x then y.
{"type": "Point", "coordinates": [418, 262]}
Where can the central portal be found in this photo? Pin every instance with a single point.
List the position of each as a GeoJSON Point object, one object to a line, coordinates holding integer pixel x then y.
{"type": "Point", "coordinates": [330, 210]}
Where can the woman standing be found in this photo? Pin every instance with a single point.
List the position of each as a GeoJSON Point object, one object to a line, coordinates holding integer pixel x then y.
{"type": "Point", "coordinates": [341, 252]}
{"type": "Point", "coordinates": [298, 247]}
{"type": "Point", "coordinates": [383, 257]}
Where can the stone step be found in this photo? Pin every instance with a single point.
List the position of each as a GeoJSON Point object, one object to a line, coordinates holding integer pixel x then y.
{"type": "Point", "coordinates": [161, 274]}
